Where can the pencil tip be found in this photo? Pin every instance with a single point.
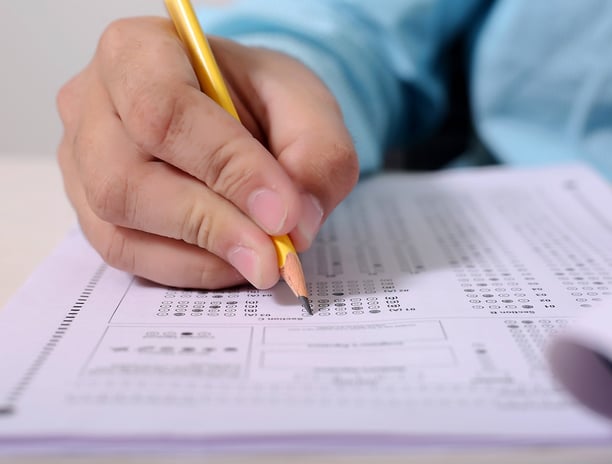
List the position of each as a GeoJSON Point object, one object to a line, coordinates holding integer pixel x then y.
{"type": "Point", "coordinates": [305, 304]}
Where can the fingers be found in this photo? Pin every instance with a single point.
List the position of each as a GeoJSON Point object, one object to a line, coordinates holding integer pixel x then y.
{"type": "Point", "coordinates": [166, 115]}
{"type": "Point", "coordinates": [160, 259]}
{"type": "Point", "coordinates": [134, 191]}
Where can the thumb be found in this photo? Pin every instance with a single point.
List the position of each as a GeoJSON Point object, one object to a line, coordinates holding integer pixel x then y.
{"type": "Point", "coordinates": [306, 133]}
{"type": "Point", "coordinates": [288, 107]}
{"type": "Point", "coordinates": [323, 164]}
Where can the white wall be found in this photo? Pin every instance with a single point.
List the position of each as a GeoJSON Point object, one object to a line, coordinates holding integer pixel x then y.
{"type": "Point", "coordinates": [42, 44]}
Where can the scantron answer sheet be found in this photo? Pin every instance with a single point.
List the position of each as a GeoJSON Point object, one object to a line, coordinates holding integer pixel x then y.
{"type": "Point", "coordinates": [435, 296]}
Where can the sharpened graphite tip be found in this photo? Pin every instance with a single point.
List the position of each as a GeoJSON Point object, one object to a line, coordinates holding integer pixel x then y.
{"type": "Point", "coordinates": [305, 304]}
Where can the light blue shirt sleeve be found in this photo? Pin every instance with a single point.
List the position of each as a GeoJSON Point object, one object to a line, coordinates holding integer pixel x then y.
{"type": "Point", "coordinates": [542, 82]}
{"type": "Point", "coordinates": [540, 72]}
{"type": "Point", "coordinates": [379, 58]}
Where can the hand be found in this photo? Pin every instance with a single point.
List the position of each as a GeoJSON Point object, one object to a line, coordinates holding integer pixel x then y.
{"type": "Point", "coordinates": [168, 186]}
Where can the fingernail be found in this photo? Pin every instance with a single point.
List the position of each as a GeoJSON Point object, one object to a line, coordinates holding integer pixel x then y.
{"type": "Point", "coordinates": [247, 262]}
{"type": "Point", "coordinates": [311, 216]}
{"type": "Point", "coordinates": [268, 210]}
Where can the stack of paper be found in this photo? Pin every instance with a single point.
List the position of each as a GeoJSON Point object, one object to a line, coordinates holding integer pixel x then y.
{"type": "Point", "coordinates": [436, 298]}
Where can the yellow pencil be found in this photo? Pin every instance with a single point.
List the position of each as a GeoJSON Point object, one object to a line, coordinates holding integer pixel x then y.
{"type": "Point", "coordinates": [212, 84]}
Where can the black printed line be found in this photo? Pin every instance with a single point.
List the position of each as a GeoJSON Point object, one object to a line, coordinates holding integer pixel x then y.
{"type": "Point", "coordinates": [8, 407]}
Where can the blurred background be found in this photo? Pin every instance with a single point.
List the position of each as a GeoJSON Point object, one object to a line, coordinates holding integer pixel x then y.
{"type": "Point", "coordinates": [42, 44]}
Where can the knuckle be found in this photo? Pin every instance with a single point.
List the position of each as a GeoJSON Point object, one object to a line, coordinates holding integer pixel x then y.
{"type": "Point", "coordinates": [109, 199]}
{"type": "Point", "coordinates": [114, 38]}
{"type": "Point", "coordinates": [65, 100]}
{"type": "Point", "coordinates": [118, 252]}
{"type": "Point", "coordinates": [218, 275]}
{"type": "Point", "coordinates": [209, 278]}
{"type": "Point", "coordinates": [83, 144]}
{"type": "Point", "coordinates": [197, 227]}
{"type": "Point", "coordinates": [157, 118]}
{"type": "Point", "coordinates": [222, 173]}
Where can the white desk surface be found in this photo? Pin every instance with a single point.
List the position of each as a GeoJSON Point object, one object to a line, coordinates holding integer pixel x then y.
{"type": "Point", "coordinates": [35, 215]}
